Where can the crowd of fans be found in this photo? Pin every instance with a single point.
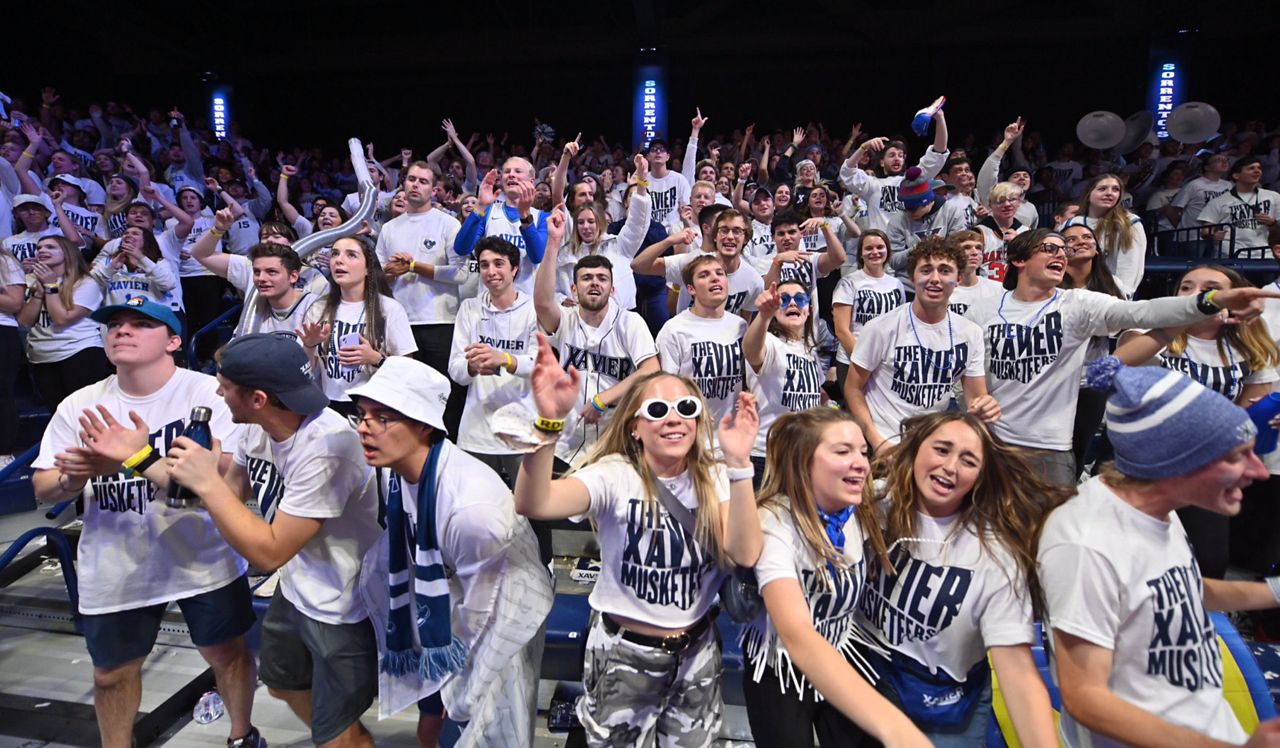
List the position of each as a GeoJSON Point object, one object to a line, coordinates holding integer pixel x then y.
{"type": "Point", "coordinates": [643, 337]}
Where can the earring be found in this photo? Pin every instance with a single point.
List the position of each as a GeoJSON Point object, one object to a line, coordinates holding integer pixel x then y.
{"type": "Point", "coordinates": [634, 436]}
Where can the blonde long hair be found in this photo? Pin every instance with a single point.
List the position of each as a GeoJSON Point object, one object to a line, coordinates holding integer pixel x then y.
{"type": "Point", "coordinates": [1250, 337]}
{"type": "Point", "coordinates": [793, 440]}
{"type": "Point", "coordinates": [617, 440]}
{"type": "Point", "coordinates": [1115, 227]}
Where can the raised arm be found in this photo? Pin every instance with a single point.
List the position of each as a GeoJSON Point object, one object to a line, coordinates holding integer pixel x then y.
{"type": "Point", "coordinates": [560, 176]}
{"type": "Point", "coordinates": [287, 171]}
{"type": "Point", "coordinates": [754, 342]}
{"type": "Point", "coordinates": [537, 496]}
{"type": "Point", "coordinates": [743, 539]}
{"type": "Point", "coordinates": [835, 255]}
{"type": "Point", "coordinates": [185, 220]}
{"type": "Point", "coordinates": [689, 165]}
{"type": "Point", "coordinates": [204, 250]}
{"type": "Point", "coordinates": [650, 261]}
{"type": "Point", "coordinates": [989, 174]}
{"type": "Point", "coordinates": [544, 284]}
{"type": "Point", "coordinates": [194, 166]}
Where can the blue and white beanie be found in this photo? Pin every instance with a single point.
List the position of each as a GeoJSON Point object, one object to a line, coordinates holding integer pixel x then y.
{"type": "Point", "coordinates": [1164, 424]}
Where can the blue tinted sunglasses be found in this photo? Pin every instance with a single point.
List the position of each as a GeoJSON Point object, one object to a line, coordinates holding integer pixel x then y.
{"type": "Point", "coordinates": [801, 299]}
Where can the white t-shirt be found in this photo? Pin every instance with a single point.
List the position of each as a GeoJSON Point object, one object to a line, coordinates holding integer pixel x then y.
{"type": "Point", "coordinates": [1128, 582]}
{"type": "Point", "coordinates": [240, 276]}
{"type": "Point", "coordinates": [1036, 354]}
{"type": "Point", "coordinates": [1159, 199]}
{"type": "Point", "coordinates": [963, 297]}
{"type": "Point", "coordinates": [761, 247]}
{"type": "Point", "coordinates": [1194, 196]}
{"type": "Point", "coordinates": [87, 221]}
{"type": "Point", "coordinates": [816, 241]}
{"type": "Point", "coordinates": [188, 266]}
{"type": "Point", "coordinates": [654, 573]}
{"type": "Point", "coordinates": [708, 351]}
{"type": "Point", "coordinates": [318, 473]}
{"type": "Point", "coordinates": [336, 379]}
{"type": "Point", "coordinates": [790, 379]}
{"type": "Point", "coordinates": [22, 245]}
{"type": "Point", "coordinates": [667, 193]}
{"type": "Point", "coordinates": [745, 284]}
{"type": "Point", "coordinates": [1225, 373]}
{"type": "Point", "coordinates": [870, 297]}
{"type": "Point", "coordinates": [603, 356]}
{"type": "Point", "coordinates": [1241, 211]}
{"type": "Point", "coordinates": [804, 271]}
{"type": "Point", "coordinates": [1065, 173]}
{"type": "Point", "coordinates": [135, 550]}
{"type": "Point", "coordinates": [47, 342]}
{"type": "Point", "coordinates": [10, 275]}
{"type": "Point", "coordinates": [1271, 316]}
{"type": "Point", "coordinates": [428, 237]}
{"type": "Point", "coordinates": [948, 601]}
{"type": "Point", "coordinates": [914, 364]}
{"type": "Point", "coordinates": [786, 555]}
{"type": "Point", "coordinates": [510, 331]}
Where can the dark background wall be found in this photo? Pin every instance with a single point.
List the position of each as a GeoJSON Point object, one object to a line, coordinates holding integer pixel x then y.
{"type": "Point", "coordinates": [322, 71]}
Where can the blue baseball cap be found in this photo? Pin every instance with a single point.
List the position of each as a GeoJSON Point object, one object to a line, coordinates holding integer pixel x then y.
{"type": "Point", "coordinates": [275, 364]}
{"type": "Point", "coordinates": [140, 305]}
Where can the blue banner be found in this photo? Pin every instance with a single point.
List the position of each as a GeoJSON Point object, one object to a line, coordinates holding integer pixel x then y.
{"type": "Point", "coordinates": [649, 118]}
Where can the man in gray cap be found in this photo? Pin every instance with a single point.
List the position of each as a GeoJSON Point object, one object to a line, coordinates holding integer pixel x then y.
{"type": "Point", "coordinates": [319, 517]}
{"type": "Point", "coordinates": [471, 646]}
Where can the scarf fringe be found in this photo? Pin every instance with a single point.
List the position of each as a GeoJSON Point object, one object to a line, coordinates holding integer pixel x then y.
{"type": "Point", "coordinates": [437, 662]}
{"type": "Point", "coordinates": [400, 663]}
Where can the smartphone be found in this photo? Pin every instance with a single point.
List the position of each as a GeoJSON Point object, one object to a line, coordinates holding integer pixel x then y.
{"type": "Point", "coordinates": [351, 338]}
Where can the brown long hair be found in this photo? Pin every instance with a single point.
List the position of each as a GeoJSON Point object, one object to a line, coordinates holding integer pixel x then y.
{"type": "Point", "coordinates": [616, 440]}
{"type": "Point", "coordinates": [74, 269]}
{"type": "Point", "coordinates": [375, 287]}
{"type": "Point", "coordinates": [1008, 503]}
{"type": "Point", "coordinates": [1249, 337]}
{"type": "Point", "coordinates": [793, 440]}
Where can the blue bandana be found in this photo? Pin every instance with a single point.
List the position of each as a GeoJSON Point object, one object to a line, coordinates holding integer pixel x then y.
{"type": "Point", "coordinates": [834, 525]}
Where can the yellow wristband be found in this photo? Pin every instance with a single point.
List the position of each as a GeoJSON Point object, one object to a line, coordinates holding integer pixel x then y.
{"type": "Point", "coordinates": [642, 182]}
{"type": "Point", "coordinates": [549, 425]}
{"type": "Point", "coordinates": [413, 267]}
{"type": "Point", "coordinates": [285, 177]}
{"type": "Point", "coordinates": [137, 457]}
{"type": "Point", "coordinates": [28, 154]}
{"type": "Point", "coordinates": [217, 233]}
{"type": "Point", "coordinates": [511, 362]}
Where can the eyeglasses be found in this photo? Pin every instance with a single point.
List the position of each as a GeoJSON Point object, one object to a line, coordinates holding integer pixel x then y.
{"type": "Point", "coordinates": [382, 423]}
{"type": "Point", "coordinates": [801, 299]}
{"type": "Point", "coordinates": [730, 231]}
{"type": "Point", "coordinates": [655, 409]}
{"type": "Point", "coordinates": [1051, 249]}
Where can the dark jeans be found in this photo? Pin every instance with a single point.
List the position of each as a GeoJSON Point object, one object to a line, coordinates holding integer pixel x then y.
{"type": "Point", "coordinates": [1255, 532]}
{"type": "Point", "coordinates": [787, 721]}
{"type": "Point", "coordinates": [54, 381]}
{"type": "Point", "coordinates": [1089, 409]}
{"type": "Point", "coordinates": [10, 360]}
{"type": "Point", "coordinates": [201, 299]}
{"type": "Point", "coordinates": [434, 343]}
{"type": "Point", "coordinates": [651, 304]}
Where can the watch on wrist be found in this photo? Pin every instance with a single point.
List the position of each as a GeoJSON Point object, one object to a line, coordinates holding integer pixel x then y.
{"type": "Point", "coordinates": [1206, 303]}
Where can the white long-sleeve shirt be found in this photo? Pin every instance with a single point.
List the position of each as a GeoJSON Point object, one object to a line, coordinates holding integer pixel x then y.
{"type": "Point", "coordinates": [880, 194]}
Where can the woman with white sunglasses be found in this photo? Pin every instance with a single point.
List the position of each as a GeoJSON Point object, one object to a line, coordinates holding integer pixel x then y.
{"type": "Point", "coordinates": [652, 665]}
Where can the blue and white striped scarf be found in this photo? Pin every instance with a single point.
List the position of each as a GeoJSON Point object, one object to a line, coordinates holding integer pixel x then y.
{"type": "Point", "coordinates": [436, 652]}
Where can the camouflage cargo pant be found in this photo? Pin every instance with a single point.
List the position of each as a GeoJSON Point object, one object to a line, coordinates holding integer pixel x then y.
{"type": "Point", "coordinates": [642, 696]}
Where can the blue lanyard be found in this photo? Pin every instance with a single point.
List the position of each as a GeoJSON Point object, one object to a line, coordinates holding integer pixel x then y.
{"type": "Point", "coordinates": [1008, 326]}
{"type": "Point", "coordinates": [929, 352]}
{"type": "Point", "coordinates": [1231, 367]}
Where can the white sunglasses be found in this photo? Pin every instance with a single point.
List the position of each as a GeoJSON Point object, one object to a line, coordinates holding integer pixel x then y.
{"type": "Point", "coordinates": [656, 409]}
